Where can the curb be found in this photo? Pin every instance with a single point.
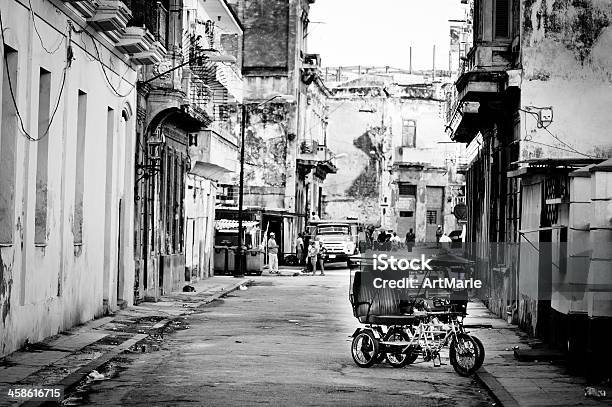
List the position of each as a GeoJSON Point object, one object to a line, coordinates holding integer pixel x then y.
{"type": "Point", "coordinates": [222, 293]}
{"type": "Point", "coordinates": [495, 388]}
{"type": "Point", "coordinates": [72, 380]}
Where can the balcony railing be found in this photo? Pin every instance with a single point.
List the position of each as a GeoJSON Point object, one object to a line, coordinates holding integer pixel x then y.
{"type": "Point", "coordinates": [309, 147]}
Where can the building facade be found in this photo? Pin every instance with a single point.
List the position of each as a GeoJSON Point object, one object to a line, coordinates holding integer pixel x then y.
{"type": "Point", "coordinates": [281, 179]}
{"type": "Point", "coordinates": [67, 148]}
{"type": "Point", "coordinates": [398, 173]}
{"type": "Point", "coordinates": [186, 138]}
{"type": "Point", "coordinates": [530, 104]}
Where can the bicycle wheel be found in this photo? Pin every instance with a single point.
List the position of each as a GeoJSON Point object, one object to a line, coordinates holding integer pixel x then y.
{"type": "Point", "coordinates": [481, 352]}
{"type": "Point", "coordinates": [399, 359]}
{"type": "Point", "coordinates": [364, 349]}
{"type": "Point", "coordinates": [463, 354]}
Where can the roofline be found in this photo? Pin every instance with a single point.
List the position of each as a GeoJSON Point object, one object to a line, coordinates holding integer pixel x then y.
{"type": "Point", "coordinates": [233, 13]}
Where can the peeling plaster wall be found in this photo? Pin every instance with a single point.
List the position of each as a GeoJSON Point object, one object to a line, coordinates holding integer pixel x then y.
{"type": "Point", "coordinates": [45, 289]}
{"type": "Point", "coordinates": [355, 189]}
{"type": "Point", "coordinates": [567, 62]}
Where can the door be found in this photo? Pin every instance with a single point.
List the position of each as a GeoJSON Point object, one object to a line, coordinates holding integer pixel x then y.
{"type": "Point", "coordinates": [433, 215]}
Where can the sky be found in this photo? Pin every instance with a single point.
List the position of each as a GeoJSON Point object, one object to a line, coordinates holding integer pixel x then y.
{"type": "Point", "coordinates": [381, 32]}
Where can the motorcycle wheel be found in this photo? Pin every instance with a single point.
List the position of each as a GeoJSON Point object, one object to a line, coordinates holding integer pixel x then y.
{"type": "Point", "coordinates": [481, 352]}
{"type": "Point", "coordinates": [399, 359]}
{"type": "Point", "coordinates": [463, 355]}
{"type": "Point", "coordinates": [364, 349]}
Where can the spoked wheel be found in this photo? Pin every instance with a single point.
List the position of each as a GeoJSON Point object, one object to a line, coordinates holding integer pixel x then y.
{"type": "Point", "coordinates": [481, 352]}
{"type": "Point", "coordinates": [463, 355]}
{"type": "Point", "coordinates": [399, 359]}
{"type": "Point", "coordinates": [364, 349]}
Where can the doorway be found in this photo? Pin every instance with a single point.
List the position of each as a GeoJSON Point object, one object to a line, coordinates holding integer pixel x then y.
{"type": "Point", "coordinates": [433, 215]}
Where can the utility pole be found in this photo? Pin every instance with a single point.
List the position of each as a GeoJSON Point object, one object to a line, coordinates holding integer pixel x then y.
{"type": "Point", "coordinates": [433, 72]}
{"type": "Point", "coordinates": [410, 66]}
{"type": "Point", "coordinates": [239, 265]}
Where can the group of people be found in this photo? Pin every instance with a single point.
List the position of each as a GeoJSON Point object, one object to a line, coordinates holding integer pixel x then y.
{"type": "Point", "coordinates": [310, 254]}
{"type": "Point", "coordinates": [383, 240]}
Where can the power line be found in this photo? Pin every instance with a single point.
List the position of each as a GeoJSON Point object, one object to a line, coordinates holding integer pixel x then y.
{"type": "Point", "coordinates": [42, 44]}
{"type": "Point", "coordinates": [108, 81]}
{"type": "Point", "coordinates": [59, 97]}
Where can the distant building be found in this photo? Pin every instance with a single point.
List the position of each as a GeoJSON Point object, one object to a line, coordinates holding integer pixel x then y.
{"type": "Point", "coordinates": [286, 156]}
{"type": "Point", "coordinates": [399, 173]}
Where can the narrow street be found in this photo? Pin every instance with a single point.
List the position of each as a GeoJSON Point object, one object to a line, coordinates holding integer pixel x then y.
{"type": "Point", "coordinates": [284, 341]}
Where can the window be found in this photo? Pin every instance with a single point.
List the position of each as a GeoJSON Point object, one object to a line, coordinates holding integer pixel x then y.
{"type": "Point", "coordinates": [153, 15]}
{"type": "Point", "coordinates": [42, 157]}
{"type": "Point", "coordinates": [8, 138]}
{"type": "Point", "coordinates": [406, 214]}
{"type": "Point", "coordinates": [432, 217]}
{"type": "Point", "coordinates": [406, 189]}
{"type": "Point", "coordinates": [409, 133]}
{"type": "Point", "coordinates": [77, 223]}
{"type": "Point", "coordinates": [502, 18]}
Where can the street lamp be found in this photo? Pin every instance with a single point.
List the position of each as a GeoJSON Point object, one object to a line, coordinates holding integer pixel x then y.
{"type": "Point", "coordinates": [240, 254]}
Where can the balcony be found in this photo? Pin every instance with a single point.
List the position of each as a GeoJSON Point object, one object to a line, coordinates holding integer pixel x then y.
{"type": "Point", "coordinates": [87, 8]}
{"type": "Point", "coordinates": [212, 155]}
{"type": "Point", "coordinates": [224, 80]}
{"type": "Point", "coordinates": [311, 155]}
{"type": "Point", "coordinates": [154, 55]}
{"type": "Point", "coordinates": [110, 15]}
{"type": "Point", "coordinates": [200, 97]}
{"type": "Point", "coordinates": [135, 40]}
{"type": "Point", "coordinates": [485, 86]}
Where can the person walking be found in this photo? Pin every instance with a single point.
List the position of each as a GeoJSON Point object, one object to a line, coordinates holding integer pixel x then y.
{"type": "Point", "coordinates": [299, 249]}
{"type": "Point", "coordinates": [439, 233]}
{"type": "Point", "coordinates": [312, 257]}
{"type": "Point", "coordinates": [410, 238]}
{"type": "Point", "coordinates": [273, 254]}
{"type": "Point", "coordinates": [321, 255]}
{"type": "Point", "coordinates": [374, 238]}
{"type": "Point", "coordinates": [395, 242]}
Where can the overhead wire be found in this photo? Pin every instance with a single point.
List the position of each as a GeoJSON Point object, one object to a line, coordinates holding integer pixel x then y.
{"type": "Point", "coordinates": [108, 81]}
{"type": "Point", "coordinates": [42, 44]}
{"type": "Point", "coordinates": [528, 138]}
{"type": "Point", "coordinates": [12, 92]}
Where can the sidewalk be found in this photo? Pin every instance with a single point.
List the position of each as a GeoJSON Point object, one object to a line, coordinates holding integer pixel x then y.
{"type": "Point", "coordinates": [68, 358]}
{"type": "Point", "coordinates": [515, 383]}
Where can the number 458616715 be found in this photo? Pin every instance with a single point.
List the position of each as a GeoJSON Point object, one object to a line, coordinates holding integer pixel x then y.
{"type": "Point", "coordinates": [36, 393]}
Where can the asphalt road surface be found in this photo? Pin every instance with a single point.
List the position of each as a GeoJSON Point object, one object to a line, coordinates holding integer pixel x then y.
{"type": "Point", "coordinates": [284, 341]}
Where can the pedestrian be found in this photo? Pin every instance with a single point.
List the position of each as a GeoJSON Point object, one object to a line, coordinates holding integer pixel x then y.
{"type": "Point", "coordinates": [299, 249]}
{"type": "Point", "coordinates": [273, 254]}
{"type": "Point", "coordinates": [410, 238]}
{"type": "Point", "coordinates": [396, 242]}
{"type": "Point", "coordinates": [374, 238]}
{"type": "Point", "coordinates": [439, 233]}
{"type": "Point", "coordinates": [312, 257]}
{"type": "Point", "coordinates": [314, 216]}
{"type": "Point", "coordinates": [321, 256]}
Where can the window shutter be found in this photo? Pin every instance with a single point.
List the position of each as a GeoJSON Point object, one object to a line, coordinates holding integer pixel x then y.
{"type": "Point", "coordinates": [502, 18]}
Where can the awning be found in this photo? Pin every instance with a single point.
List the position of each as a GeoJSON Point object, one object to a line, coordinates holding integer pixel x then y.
{"type": "Point", "coordinates": [208, 170]}
{"type": "Point", "coordinates": [232, 224]}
